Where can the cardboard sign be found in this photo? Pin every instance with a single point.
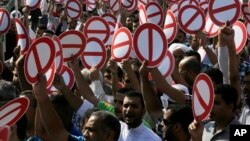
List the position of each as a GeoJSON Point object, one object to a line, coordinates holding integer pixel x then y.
{"type": "Point", "coordinates": [32, 4]}
{"type": "Point", "coordinates": [191, 19]}
{"type": "Point", "coordinates": [39, 58]}
{"type": "Point", "coordinates": [170, 26]}
{"type": "Point", "coordinates": [22, 36]}
{"type": "Point", "coordinates": [59, 54]}
{"type": "Point", "coordinates": [154, 13]}
{"type": "Point", "coordinates": [121, 44]}
{"type": "Point", "coordinates": [187, 2]}
{"type": "Point", "coordinates": [4, 20]}
{"type": "Point", "coordinates": [94, 54]}
{"type": "Point", "coordinates": [245, 11]}
{"type": "Point", "coordinates": [174, 8]}
{"type": "Point", "coordinates": [211, 29]}
{"type": "Point", "coordinates": [203, 97]}
{"type": "Point", "coordinates": [142, 15]}
{"type": "Point", "coordinates": [68, 77]}
{"type": "Point", "coordinates": [97, 27]}
{"type": "Point", "coordinates": [50, 74]}
{"type": "Point", "coordinates": [114, 5]}
{"type": "Point", "coordinates": [5, 133]}
{"type": "Point", "coordinates": [240, 37]}
{"type": "Point", "coordinates": [224, 11]}
{"type": "Point", "coordinates": [248, 29]}
{"type": "Point", "coordinates": [109, 17]}
{"type": "Point", "coordinates": [167, 65]}
{"type": "Point", "coordinates": [150, 44]}
{"type": "Point", "coordinates": [73, 43]}
{"type": "Point", "coordinates": [11, 112]}
{"type": "Point", "coordinates": [73, 9]}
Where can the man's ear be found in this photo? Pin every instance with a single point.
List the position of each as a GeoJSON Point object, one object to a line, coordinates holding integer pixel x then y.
{"type": "Point", "coordinates": [109, 135]}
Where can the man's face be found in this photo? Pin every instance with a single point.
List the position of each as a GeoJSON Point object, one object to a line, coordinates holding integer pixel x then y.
{"type": "Point", "coordinates": [126, 81]}
{"type": "Point", "coordinates": [118, 101]}
{"type": "Point", "coordinates": [129, 23]}
{"type": "Point", "coordinates": [185, 73]}
{"type": "Point", "coordinates": [93, 131]}
{"type": "Point", "coordinates": [132, 111]}
{"type": "Point", "coordinates": [167, 126]}
{"type": "Point", "coordinates": [195, 43]}
{"type": "Point", "coordinates": [220, 109]}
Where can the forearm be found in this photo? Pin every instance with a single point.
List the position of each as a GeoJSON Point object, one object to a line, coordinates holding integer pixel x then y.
{"type": "Point", "coordinates": [211, 55]}
{"type": "Point", "coordinates": [74, 101]}
{"type": "Point", "coordinates": [223, 62]}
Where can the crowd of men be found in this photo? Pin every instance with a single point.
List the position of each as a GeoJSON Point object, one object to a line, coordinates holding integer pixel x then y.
{"type": "Point", "coordinates": [126, 101]}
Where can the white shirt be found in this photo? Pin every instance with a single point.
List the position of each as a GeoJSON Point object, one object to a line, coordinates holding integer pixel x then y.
{"type": "Point", "coordinates": [140, 133]}
{"type": "Point", "coordinates": [245, 115]}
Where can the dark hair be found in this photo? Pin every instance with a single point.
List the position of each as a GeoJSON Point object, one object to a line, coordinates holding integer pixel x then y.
{"type": "Point", "coordinates": [124, 90]}
{"type": "Point", "coordinates": [181, 114]}
{"type": "Point", "coordinates": [193, 64]}
{"type": "Point", "coordinates": [228, 93]}
{"type": "Point", "coordinates": [109, 122]}
{"type": "Point", "coordinates": [42, 27]}
{"type": "Point", "coordinates": [193, 53]}
{"type": "Point", "coordinates": [49, 32]}
{"type": "Point", "coordinates": [215, 74]}
{"type": "Point", "coordinates": [7, 91]}
{"type": "Point", "coordinates": [135, 94]}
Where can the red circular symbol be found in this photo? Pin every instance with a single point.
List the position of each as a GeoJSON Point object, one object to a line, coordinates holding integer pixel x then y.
{"type": "Point", "coordinates": [167, 65]}
{"type": "Point", "coordinates": [154, 13]}
{"type": "Point", "coordinates": [13, 111]}
{"type": "Point", "coordinates": [4, 20]}
{"type": "Point", "coordinates": [246, 11]}
{"type": "Point", "coordinates": [240, 37]}
{"type": "Point", "coordinates": [114, 5]}
{"type": "Point", "coordinates": [73, 43]}
{"type": "Point", "coordinates": [170, 26]}
{"type": "Point", "coordinates": [142, 15]}
{"type": "Point", "coordinates": [59, 54]}
{"type": "Point", "coordinates": [39, 58]}
{"type": "Point", "coordinates": [211, 29]}
{"type": "Point", "coordinates": [224, 11]}
{"type": "Point", "coordinates": [191, 19]}
{"type": "Point", "coordinates": [150, 44]}
{"type": "Point", "coordinates": [97, 27]}
{"type": "Point", "coordinates": [109, 17]}
{"type": "Point", "coordinates": [73, 9]}
{"type": "Point", "coordinates": [133, 7]}
{"type": "Point", "coordinates": [94, 54]}
{"type": "Point", "coordinates": [187, 2]}
{"type": "Point", "coordinates": [32, 4]}
{"type": "Point", "coordinates": [203, 97]}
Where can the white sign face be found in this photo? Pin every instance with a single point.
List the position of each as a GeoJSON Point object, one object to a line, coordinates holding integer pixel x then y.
{"type": "Point", "coordinates": [167, 65]}
{"type": "Point", "coordinates": [32, 4]}
{"type": "Point", "coordinates": [221, 12]}
{"type": "Point", "coordinates": [73, 43]}
{"type": "Point", "coordinates": [191, 19]}
{"type": "Point", "coordinates": [203, 97]}
{"type": "Point", "coordinates": [109, 17]}
{"type": "Point", "coordinates": [73, 9]}
{"type": "Point", "coordinates": [39, 58]}
{"type": "Point", "coordinates": [142, 15]}
{"type": "Point", "coordinates": [150, 44]}
{"type": "Point", "coordinates": [11, 112]}
{"type": "Point", "coordinates": [170, 26]}
{"type": "Point", "coordinates": [154, 13]}
{"type": "Point", "coordinates": [211, 29]}
{"type": "Point", "coordinates": [94, 54]}
{"type": "Point", "coordinates": [121, 44]}
{"type": "Point", "coordinates": [22, 35]}
{"type": "Point", "coordinates": [50, 74]}
{"type": "Point", "coordinates": [59, 54]}
{"type": "Point", "coordinates": [174, 8]}
{"type": "Point", "coordinates": [241, 36]}
{"type": "Point", "coordinates": [4, 20]}
{"type": "Point", "coordinates": [112, 27]}
{"type": "Point", "coordinates": [97, 27]}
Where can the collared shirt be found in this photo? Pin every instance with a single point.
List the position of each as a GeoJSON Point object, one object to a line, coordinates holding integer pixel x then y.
{"type": "Point", "coordinates": [140, 133]}
{"type": "Point", "coordinates": [221, 135]}
{"type": "Point", "coordinates": [245, 115]}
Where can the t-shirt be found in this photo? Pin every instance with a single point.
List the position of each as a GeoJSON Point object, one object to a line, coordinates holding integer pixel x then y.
{"type": "Point", "coordinates": [75, 138]}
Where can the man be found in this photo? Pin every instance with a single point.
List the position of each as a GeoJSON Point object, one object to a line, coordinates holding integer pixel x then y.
{"type": "Point", "coordinates": [222, 116]}
{"type": "Point", "coordinates": [133, 111]}
{"type": "Point", "coordinates": [245, 112]}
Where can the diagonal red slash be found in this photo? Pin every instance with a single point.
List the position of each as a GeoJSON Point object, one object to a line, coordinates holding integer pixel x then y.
{"type": "Point", "coordinates": [191, 19]}
{"type": "Point", "coordinates": [73, 9]}
{"type": "Point", "coordinates": [37, 59]}
{"type": "Point", "coordinates": [121, 44]}
{"type": "Point", "coordinates": [225, 8]}
{"type": "Point", "coordinates": [202, 102]}
{"type": "Point", "coordinates": [92, 54]}
{"type": "Point", "coordinates": [169, 25]}
{"type": "Point", "coordinates": [9, 112]}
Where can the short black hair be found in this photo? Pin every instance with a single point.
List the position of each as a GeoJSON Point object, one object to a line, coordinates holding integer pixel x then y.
{"type": "Point", "coordinates": [49, 32]}
{"type": "Point", "coordinates": [215, 74]}
{"type": "Point", "coordinates": [42, 27]}
{"type": "Point", "coordinates": [228, 93]}
{"type": "Point", "coordinates": [193, 53]}
{"type": "Point", "coordinates": [124, 90]}
{"type": "Point", "coordinates": [110, 122]}
{"type": "Point", "coordinates": [135, 94]}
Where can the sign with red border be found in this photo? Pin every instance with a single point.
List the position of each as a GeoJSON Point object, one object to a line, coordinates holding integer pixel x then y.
{"type": "Point", "coordinates": [90, 7]}
{"type": "Point", "coordinates": [5, 133]}
{"type": "Point", "coordinates": [170, 26]}
{"type": "Point", "coordinates": [127, 3]}
{"type": "Point", "coordinates": [142, 15]}
{"type": "Point", "coordinates": [167, 65]}
{"type": "Point", "coordinates": [112, 27]}
{"type": "Point", "coordinates": [59, 54]}
{"type": "Point", "coordinates": [174, 8]}
{"type": "Point", "coordinates": [211, 29]}
{"type": "Point", "coordinates": [109, 17]}
{"type": "Point", "coordinates": [22, 36]}
{"type": "Point", "coordinates": [114, 5]}
{"type": "Point", "coordinates": [248, 29]}
{"type": "Point", "coordinates": [188, 2]}
{"type": "Point", "coordinates": [4, 20]}
{"type": "Point", "coordinates": [240, 37]}
{"type": "Point", "coordinates": [150, 44]}
{"type": "Point", "coordinates": [246, 11]}
{"type": "Point", "coordinates": [13, 111]}
{"type": "Point", "coordinates": [39, 58]}
{"type": "Point", "coordinates": [224, 11]}
{"type": "Point", "coordinates": [191, 19]}
{"type": "Point", "coordinates": [73, 9]}
{"type": "Point", "coordinates": [32, 4]}
{"type": "Point", "coordinates": [133, 7]}
{"type": "Point", "coordinates": [97, 27]}
{"type": "Point", "coordinates": [154, 13]}
{"type": "Point", "coordinates": [73, 43]}
{"type": "Point", "coordinates": [50, 74]}
{"type": "Point", "coordinates": [203, 97]}
{"type": "Point", "coordinates": [94, 54]}
{"type": "Point", "coordinates": [121, 44]}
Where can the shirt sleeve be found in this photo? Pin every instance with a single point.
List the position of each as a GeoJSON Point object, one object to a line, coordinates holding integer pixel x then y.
{"type": "Point", "coordinates": [75, 138]}
{"type": "Point", "coordinates": [97, 89]}
{"type": "Point", "coordinates": [105, 107]}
